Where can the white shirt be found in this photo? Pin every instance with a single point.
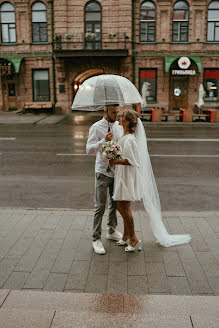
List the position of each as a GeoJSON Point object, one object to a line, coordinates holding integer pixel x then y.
{"type": "Point", "coordinates": [96, 138]}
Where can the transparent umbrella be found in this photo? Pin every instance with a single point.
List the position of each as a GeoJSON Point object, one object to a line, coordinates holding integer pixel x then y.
{"type": "Point", "coordinates": [99, 91]}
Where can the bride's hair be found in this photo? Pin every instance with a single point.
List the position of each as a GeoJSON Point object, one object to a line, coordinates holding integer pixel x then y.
{"type": "Point", "coordinates": [132, 117]}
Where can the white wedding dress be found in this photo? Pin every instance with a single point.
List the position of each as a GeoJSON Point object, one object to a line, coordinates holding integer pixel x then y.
{"type": "Point", "coordinates": [150, 195]}
{"type": "Point", "coordinates": [136, 181]}
{"type": "Point", "coordinates": [127, 179]}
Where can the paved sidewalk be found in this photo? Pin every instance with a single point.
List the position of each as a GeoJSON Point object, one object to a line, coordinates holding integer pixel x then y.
{"type": "Point", "coordinates": [31, 119]}
{"type": "Point", "coordinates": [25, 309]}
{"type": "Point", "coordinates": [51, 250]}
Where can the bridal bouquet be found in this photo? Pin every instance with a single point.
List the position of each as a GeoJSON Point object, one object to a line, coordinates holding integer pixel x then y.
{"type": "Point", "coordinates": [111, 150]}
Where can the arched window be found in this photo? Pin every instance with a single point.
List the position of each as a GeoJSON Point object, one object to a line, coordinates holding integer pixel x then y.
{"type": "Point", "coordinates": [213, 21]}
{"type": "Point", "coordinates": [147, 22]}
{"type": "Point", "coordinates": [39, 22]}
{"type": "Point", "coordinates": [93, 24]}
{"type": "Point", "coordinates": [8, 27]}
{"type": "Point", "coordinates": [180, 21]}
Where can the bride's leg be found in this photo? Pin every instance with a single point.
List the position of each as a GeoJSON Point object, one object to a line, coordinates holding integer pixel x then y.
{"type": "Point", "coordinates": [133, 240]}
{"type": "Point", "coordinates": [126, 232]}
{"type": "Point", "coordinates": [125, 211]}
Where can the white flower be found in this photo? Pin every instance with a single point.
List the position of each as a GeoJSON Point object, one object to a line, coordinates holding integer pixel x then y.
{"type": "Point", "coordinates": [111, 150]}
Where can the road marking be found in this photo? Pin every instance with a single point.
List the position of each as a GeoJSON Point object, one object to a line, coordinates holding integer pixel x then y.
{"type": "Point", "coordinates": [211, 156]}
{"type": "Point", "coordinates": [153, 155]}
{"type": "Point", "coordinates": [177, 139]}
{"type": "Point", "coordinates": [10, 139]}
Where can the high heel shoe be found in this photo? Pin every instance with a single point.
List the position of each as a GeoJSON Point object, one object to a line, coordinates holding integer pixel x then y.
{"type": "Point", "coordinates": [137, 247]}
{"type": "Point", "coordinates": [122, 242]}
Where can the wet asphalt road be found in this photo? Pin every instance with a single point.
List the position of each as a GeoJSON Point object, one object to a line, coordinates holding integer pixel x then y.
{"type": "Point", "coordinates": [33, 175]}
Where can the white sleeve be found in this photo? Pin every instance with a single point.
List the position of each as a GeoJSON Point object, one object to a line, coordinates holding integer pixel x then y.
{"type": "Point", "coordinates": [130, 152]}
{"type": "Point", "coordinates": [93, 142]}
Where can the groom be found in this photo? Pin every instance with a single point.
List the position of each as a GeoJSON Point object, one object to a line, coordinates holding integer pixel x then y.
{"type": "Point", "coordinates": [104, 180]}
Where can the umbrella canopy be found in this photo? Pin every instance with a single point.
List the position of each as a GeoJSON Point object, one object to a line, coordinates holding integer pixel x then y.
{"type": "Point", "coordinates": [99, 91]}
{"type": "Point", "coordinates": [201, 94]}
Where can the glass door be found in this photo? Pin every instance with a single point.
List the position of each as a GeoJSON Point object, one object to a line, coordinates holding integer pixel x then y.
{"type": "Point", "coordinates": [178, 92]}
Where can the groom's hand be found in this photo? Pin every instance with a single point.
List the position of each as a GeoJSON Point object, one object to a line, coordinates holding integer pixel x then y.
{"type": "Point", "coordinates": [112, 162]}
{"type": "Point", "coordinates": [109, 136]}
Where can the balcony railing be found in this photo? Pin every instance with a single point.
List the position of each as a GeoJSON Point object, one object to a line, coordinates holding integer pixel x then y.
{"type": "Point", "coordinates": [91, 42]}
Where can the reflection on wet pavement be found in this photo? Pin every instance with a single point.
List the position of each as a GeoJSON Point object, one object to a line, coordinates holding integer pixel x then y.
{"type": "Point", "coordinates": [83, 119]}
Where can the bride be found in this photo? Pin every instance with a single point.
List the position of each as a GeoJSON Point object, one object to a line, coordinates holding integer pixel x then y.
{"type": "Point", "coordinates": [134, 180]}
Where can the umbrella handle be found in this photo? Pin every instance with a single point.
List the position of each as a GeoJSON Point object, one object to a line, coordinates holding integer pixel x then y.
{"type": "Point", "coordinates": [108, 118]}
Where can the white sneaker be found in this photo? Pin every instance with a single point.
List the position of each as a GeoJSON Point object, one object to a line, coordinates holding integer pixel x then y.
{"type": "Point", "coordinates": [116, 235]}
{"type": "Point", "coordinates": [98, 247]}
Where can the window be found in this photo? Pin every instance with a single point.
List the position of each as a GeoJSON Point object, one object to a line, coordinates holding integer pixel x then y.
{"type": "Point", "coordinates": [180, 21]}
{"type": "Point", "coordinates": [8, 27]}
{"type": "Point", "coordinates": [147, 22]}
{"type": "Point", "coordinates": [41, 90]}
{"type": "Point", "coordinates": [93, 25]}
{"type": "Point", "coordinates": [213, 22]}
{"type": "Point", "coordinates": [39, 22]}
{"type": "Point", "coordinates": [211, 85]}
{"type": "Point", "coordinates": [148, 84]}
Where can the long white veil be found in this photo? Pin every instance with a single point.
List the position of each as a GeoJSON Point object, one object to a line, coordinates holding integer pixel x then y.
{"type": "Point", "coordinates": [150, 195]}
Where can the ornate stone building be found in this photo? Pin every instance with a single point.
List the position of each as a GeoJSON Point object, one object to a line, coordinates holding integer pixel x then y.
{"type": "Point", "coordinates": [167, 48]}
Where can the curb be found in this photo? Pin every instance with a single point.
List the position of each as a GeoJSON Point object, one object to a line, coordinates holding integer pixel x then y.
{"type": "Point", "coordinates": [99, 115]}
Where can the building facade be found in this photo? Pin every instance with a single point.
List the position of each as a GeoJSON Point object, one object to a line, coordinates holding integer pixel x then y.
{"type": "Point", "coordinates": [167, 48]}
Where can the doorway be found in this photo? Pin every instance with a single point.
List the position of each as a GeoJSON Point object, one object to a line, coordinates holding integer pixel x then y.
{"type": "Point", "coordinates": [178, 92]}
{"type": "Point", "coordinates": [10, 94]}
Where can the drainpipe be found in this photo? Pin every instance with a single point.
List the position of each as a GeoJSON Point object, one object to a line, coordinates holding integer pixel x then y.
{"type": "Point", "coordinates": [133, 40]}
{"type": "Point", "coordinates": [52, 56]}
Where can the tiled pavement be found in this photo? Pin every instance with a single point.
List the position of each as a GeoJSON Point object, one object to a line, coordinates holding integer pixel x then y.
{"type": "Point", "coordinates": [51, 250]}
{"type": "Point", "coordinates": [21, 309]}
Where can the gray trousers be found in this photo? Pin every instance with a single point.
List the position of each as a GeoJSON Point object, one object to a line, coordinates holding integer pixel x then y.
{"type": "Point", "coordinates": [102, 184]}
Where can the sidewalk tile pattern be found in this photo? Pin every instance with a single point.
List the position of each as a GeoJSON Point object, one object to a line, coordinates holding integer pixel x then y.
{"type": "Point", "coordinates": [25, 319]}
{"type": "Point", "coordinates": [51, 250]}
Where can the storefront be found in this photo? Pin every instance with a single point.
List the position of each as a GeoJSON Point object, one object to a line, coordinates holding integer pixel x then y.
{"type": "Point", "coordinates": [172, 82]}
{"type": "Point", "coordinates": [10, 83]}
{"type": "Point", "coordinates": [24, 80]}
{"type": "Point", "coordinates": [183, 76]}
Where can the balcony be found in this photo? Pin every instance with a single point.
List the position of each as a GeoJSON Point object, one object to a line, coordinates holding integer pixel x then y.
{"type": "Point", "coordinates": [111, 45]}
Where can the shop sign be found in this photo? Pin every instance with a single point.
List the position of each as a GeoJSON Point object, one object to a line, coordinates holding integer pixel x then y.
{"type": "Point", "coordinates": [5, 69]}
{"type": "Point", "coordinates": [183, 63]}
{"type": "Point", "coordinates": [183, 72]}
